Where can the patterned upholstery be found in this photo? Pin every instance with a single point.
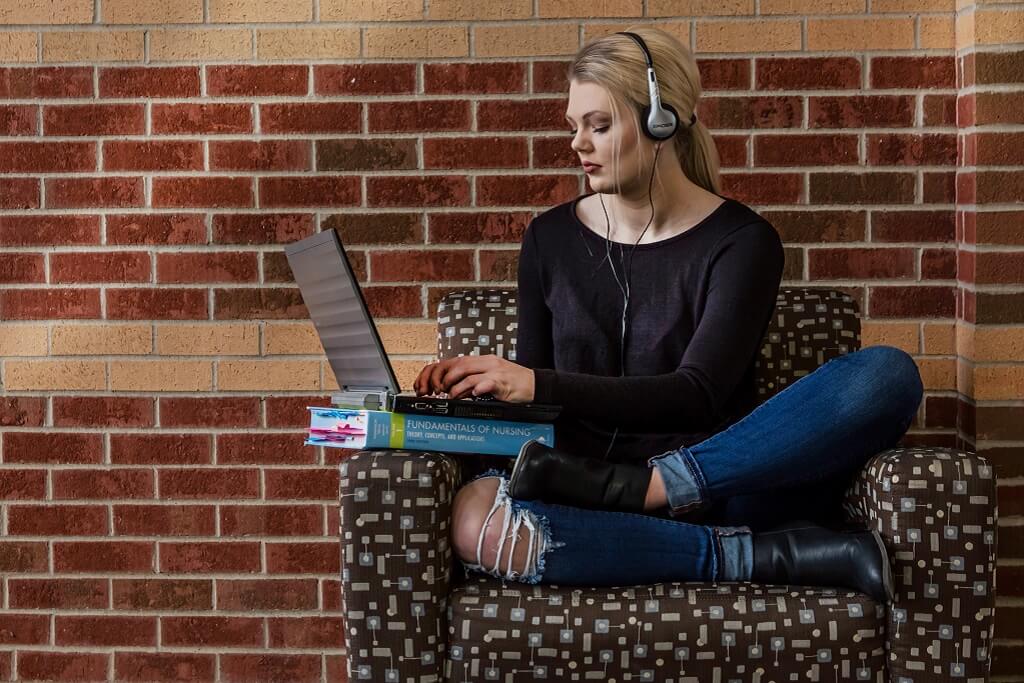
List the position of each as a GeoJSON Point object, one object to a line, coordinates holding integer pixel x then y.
{"type": "Point", "coordinates": [413, 615]}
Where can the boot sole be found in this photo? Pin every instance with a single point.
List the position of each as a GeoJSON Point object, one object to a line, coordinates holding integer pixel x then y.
{"type": "Point", "coordinates": [887, 578]}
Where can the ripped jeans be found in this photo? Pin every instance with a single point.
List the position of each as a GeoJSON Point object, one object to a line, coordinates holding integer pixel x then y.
{"type": "Point", "coordinates": [805, 442]}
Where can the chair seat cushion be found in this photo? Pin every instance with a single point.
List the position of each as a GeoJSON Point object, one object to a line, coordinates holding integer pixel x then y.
{"type": "Point", "coordinates": [678, 631]}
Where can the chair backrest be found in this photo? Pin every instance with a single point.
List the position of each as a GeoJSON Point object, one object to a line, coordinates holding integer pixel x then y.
{"type": "Point", "coordinates": [811, 326]}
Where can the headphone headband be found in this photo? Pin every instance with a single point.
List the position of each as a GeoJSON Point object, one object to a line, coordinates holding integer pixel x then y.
{"type": "Point", "coordinates": [658, 121]}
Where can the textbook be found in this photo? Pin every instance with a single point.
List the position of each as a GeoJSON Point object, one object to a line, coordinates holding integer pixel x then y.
{"type": "Point", "coordinates": [358, 429]}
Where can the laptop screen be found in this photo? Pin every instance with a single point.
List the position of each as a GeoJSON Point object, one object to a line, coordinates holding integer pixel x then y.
{"type": "Point", "coordinates": [339, 312]}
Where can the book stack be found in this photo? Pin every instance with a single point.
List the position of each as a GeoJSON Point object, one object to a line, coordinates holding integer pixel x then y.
{"type": "Point", "coordinates": [361, 428]}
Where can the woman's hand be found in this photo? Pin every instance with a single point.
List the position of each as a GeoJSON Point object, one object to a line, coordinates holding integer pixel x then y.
{"type": "Point", "coordinates": [476, 375]}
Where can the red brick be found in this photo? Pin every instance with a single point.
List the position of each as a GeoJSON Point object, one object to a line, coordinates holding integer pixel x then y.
{"type": "Point", "coordinates": [111, 266]}
{"type": "Point", "coordinates": [276, 268]}
{"type": "Point", "coordinates": [392, 266]}
{"type": "Point", "coordinates": [862, 188]}
{"type": "Point", "coordinates": [861, 263]}
{"type": "Point", "coordinates": [355, 154]}
{"type": "Point", "coordinates": [94, 119]}
{"type": "Point", "coordinates": [261, 228]}
{"type": "Point", "coordinates": [265, 449]}
{"type": "Point", "coordinates": [206, 191]}
{"type": "Point", "coordinates": [549, 76]}
{"type": "Point", "coordinates": [999, 267]}
{"type": "Point", "coordinates": [102, 411]}
{"type": "Point", "coordinates": [732, 150]}
{"type": "Point", "coordinates": [556, 152]}
{"type": "Point", "coordinates": [305, 484]}
{"type": "Point", "coordinates": [804, 150]}
{"type": "Point", "coordinates": [62, 666]}
{"type": "Point", "coordinates": [265, 155]}
{"type": "Point", "coordinates": [23, 556]}
{"type": "Point", "coordinates": [164, 666]}
{"type": "Point", "coordinates": [477, 152]}
{"type": "Point", "coordinates": [25, 629]}
{"type": "Point", "coordinates": [912, 302]}
{"type": "Point", "coordinates": [156, 304]}
{"type": "Point", "coordinates": [467, 77]}
{"type": "Point", "coordinates": [207, 267]}
{"type": "Point", "coordinates": [106, 631]}
{"type": "Point", "coordinates": [244, 668]}
{"type": "Point", "coordinates": [144, 81]}
{"type": "Point", "coordinates": [938, 264]}
{"type": "Point", "coordinates": [940, 110]}
{"type": "Point", "coordinates": [885, 149]}
{"type": "Point", "coordinates": [498, 265]}
{"type": "Point", "coordinates": [535, 190]}
{"type": "Point", "coordinates": [213, 557]}
{"type": "Point", "coordinates": [277, 79]}
{"type": "Point", "coordinates": [56, 520]}
{"type": "Point", "coordinates": [163, 594]}
{"type": "Point", "coordinates": [103, 556]}
{"type": "Point", "coordinates": [53, 82]}
{"type": "Point", "coordinates": [89, 192]}
{"type": "Point", "coordinates": [164, 520]}
{"type": "Point", "coordinates": [290, 411]}
{"type": "Point", "coordinates": [276, 520]}
{"type": "Point", "coordinates": [913, 72]}
{"type": "Point", "coordinates": [476, 227]}
{"type": "Point", "coordinates": [724, 74]}
{"type": "Point", "coordinates": [209, 412]}
{"type": "Point", "coordinates": [514, 115]}
{"type": "Point", "coordinates": [247, 595]}
{"type": "Point", "coordinates": [807, 73]}
{"type": "Point", "coordinates": [332, 595]}
{"type": "Point", "coordinates": [311, 117]}
{"type": "Point", "coordinates": [912, 226]}
{"type": "Point", "coordinates": [152, 155]}
{"type": "Point", "coordinates": [394, 302]}
{"type": "Point", "coordinates": [22, 411]}
{"type": "Point", "coordinates": [856, 111]}
{"type": "Point", "coordinates": [162, 229]}
{"type": "Point", "coordinates": [19, 193]}
{"type": "Point", "coordinates": [160, 449]}
{"type": "Point", "coordinates": [310, 191]}
{"type": "Point", "coordinates": [212, 631]}
{"type": "Point", "coordinates": [364, 79]}
{"type": "Point", "coordinates": [418, 191]}
{"type": "Point", "coordinates": [22, 484]}
{"type": "Point", "coordinates": [52, 447]}
{"type": "Point", "coordinates": [109, 484]}
{"type": "Point", "coordinates": [939, 188]}
{"type": "Point", "coordinates": [48, 304]}
{"type": "Point", "coordinates": [47, 157]}
{"type": "Point", "coordinates": [22, 268]}
{"type": "Point", "coordinates": [751, 112]}
{"type": "Point", "coordinates": [303, 558]}
{"type": "Point", "coordinates": [202, 119]}
{"type": "Point", "coordinates": [423, 115]}
{"type": "Point", "coordinates": [254, 304]}
{"type": "Point", "coordinates": [61, 593]}
{"type": "Point", "coordinates": [209, 483]}
{"type": "Point", "coordinates": [763, 188]}
{"type": "Point", "coordinates": [18, 119]}
{"type": "Point", "coordinates": [994, 108]}
{"type": "Point", "coordinates": [306, 632]}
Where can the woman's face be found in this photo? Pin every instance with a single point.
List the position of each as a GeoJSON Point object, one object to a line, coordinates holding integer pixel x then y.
{"type": "Point", "coordinates": [594, 138]}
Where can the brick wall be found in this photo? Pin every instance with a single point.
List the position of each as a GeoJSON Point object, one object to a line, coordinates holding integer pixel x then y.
{"type": "Point", "coordinates": [159, 517]}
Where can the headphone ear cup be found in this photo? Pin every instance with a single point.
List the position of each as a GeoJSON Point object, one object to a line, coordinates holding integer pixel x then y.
{"type": "Point", "coordinates": [644, 114]}
{"type": "Point", "coordinates": [675, 116]}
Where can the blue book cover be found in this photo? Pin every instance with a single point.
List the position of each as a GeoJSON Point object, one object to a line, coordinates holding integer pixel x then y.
{"type": "Point", "coordinates": [358, 429]}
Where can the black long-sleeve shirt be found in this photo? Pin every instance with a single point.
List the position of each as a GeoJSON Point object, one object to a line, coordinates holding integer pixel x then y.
{"type": "Point", "coordinates": [699, 305]}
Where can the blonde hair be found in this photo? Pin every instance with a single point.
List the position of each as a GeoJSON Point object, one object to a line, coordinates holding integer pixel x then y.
{"type": "Point", "coordinates": [617, 63]}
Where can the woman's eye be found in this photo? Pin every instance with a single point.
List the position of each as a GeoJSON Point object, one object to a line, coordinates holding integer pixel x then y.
{"type": "Point", "coordinates": [596, 130]}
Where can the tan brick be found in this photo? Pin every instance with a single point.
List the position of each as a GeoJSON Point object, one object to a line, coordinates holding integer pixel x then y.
{"type": "Point", "coordinates": [990, 343]}
{"type": "Point", "coordinates": [998, 382]}
{"type": "Point", "coordinates": [680, 29]}
{"type": "Point", "coordinates": [152, 12]}
{"type": "Point", "coordinates": [217, 339]}
{"type": "Point", "coordinates": [108, 339]}
{"type": "Point", "coordinates": [54, 374]}
{"type": "Point", "coordinates": [937, 33]}
{"type": "Point", "coordinates": [964, 31]}
{"type": "Point", "coordinates": [937, 373]}
{"type": "Point", "coordinates": [965, 336]}
{"type": "Point", "coordinates": [860, 34]}
{"type": "Point", "coordinates": [698, 8]}
{"type": "Point", "coordinates": [19, 46]}
{"type": "Point", "coordinates": [161, 375]}
{"type": "Point", "coordinates": [965, 379]}
{"type": "Point", "coordinates": [562, 9]}
{"type": "Point", "coordinates": [409, 42]}
{"type": "Point", "coordinates": [748, 36]}
{"type": "Point", "coordinates": [93, 46]}
{"type": "Point", "coordinates": [291, 339]}
{"type": "Point", "coordinates": [238, 11]}
{"type": "Point", "coordinates": [812, 6]}
{"type": "Point", "coordinates": [474, 10]}
{"type": "Point", "coordinates": [525, 41]}
{"type": "Point", "coordinates": [995, 26]}
{"type": "Point", "coordinates": [22, 340]}
{"type": "Point", "coordinates": [912, 6]}
{"type": "Point", "coordinates": [371, 10]}
{"type": "Point", "coordinates": [199, 45]}
{"type": "Point", "coordinates": [409, 338]}
{"type": "Point", "coordinates": [905, 336]}
{"type": "Point", "coordinates": [46, 12]}
{"type": "Point", "coordinates": [307, 43]}
{"type": "Point", "coordinates": [940, 339]}
{"type": "Point", "coordinates": [268, 375]}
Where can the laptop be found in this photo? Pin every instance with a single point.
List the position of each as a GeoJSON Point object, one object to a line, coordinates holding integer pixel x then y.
{"type": "Point", "coordinates": [354, 350]}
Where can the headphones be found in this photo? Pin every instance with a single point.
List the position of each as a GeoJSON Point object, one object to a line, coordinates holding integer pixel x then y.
{"type": "Point", "coordinates": [659, 122]}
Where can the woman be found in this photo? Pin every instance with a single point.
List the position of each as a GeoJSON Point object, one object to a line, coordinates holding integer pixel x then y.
{"type": "Point", "coordinates": [664, 350]}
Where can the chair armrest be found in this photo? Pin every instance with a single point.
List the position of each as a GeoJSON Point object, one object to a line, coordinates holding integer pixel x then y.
{"type": "Point", "coordinates": [396, 562]}
{"type": "Point", "coordinates": [936, 509]}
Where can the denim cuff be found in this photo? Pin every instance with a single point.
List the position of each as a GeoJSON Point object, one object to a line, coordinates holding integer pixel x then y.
{"type": "Point", "coordinates": [735, 552]}
{"type": "Point", "coordinates": [685, 487]}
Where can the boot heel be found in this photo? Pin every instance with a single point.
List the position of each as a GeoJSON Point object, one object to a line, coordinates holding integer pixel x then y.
{"type": "Point", "coordinates": [887, 578]}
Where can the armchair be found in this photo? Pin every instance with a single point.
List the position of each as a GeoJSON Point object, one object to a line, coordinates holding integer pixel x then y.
{"type": "Point", "coordinates": [413, 615]}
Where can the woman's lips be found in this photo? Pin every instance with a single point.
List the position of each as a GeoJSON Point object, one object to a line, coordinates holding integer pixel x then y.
{"type": "Point", "coordinates": [590, 168]}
